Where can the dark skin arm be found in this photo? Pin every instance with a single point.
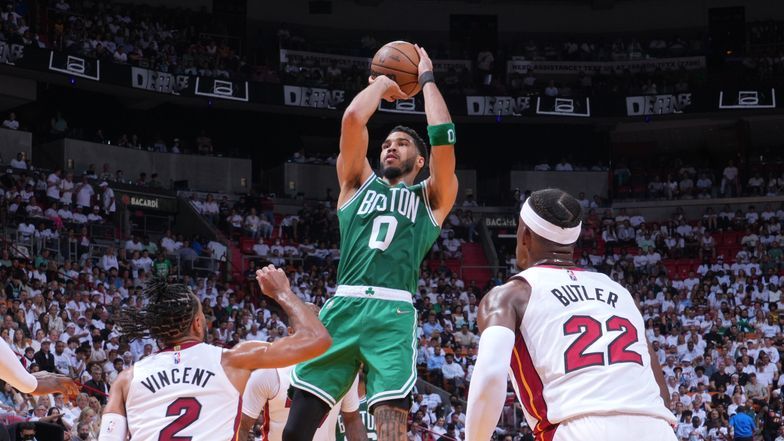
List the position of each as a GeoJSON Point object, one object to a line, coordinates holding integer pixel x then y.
{"type": "Point", "coordinates": [246, 424]}
{"type": "Point", "coordinates": [659, 375]}
{"type": "Point", "coordinates": [504, 305]}
{"type": "Point", "coordinates": [355, 428]}
{"type": "Point", "coordinates": [309, 340]}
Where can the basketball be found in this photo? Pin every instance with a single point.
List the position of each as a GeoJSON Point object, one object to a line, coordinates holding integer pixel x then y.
{"type": "Point", "coordinates": [398, 60]}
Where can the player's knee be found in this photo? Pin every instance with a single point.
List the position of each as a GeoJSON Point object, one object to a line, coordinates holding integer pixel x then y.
{"type": "Point", "coordinates": [307, 413]}
{"type": "Point", "coordinates": [292, 433]}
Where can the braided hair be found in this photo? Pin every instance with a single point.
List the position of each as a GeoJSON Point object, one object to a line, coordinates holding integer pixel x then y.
{"type": "Point", "coordinates": [167, 315]}
{"type": "Point", "coordinates": [557, 207]}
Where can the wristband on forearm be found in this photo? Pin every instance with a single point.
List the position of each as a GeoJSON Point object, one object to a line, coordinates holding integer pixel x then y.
{"type": "Point", "coordinates": [426, 77]}
{"type": "Point", "coordinates": [442, 134]}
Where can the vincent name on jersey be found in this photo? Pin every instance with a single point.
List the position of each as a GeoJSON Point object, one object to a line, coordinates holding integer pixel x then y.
{"type": "Point", "coordinates": [568, 294]}
{"type": "Point", "coordinates": [188, 375]}
{"type": "Point", "coordinates": [402, 200]}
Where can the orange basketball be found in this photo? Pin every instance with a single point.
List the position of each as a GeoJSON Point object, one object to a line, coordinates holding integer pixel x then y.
{"type": "Point", "coordinates": [399, 60]}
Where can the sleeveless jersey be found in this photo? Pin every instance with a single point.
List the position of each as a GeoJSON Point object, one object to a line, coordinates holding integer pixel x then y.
{"type": "Point", "coordinates": [581, 350]}
{"type": "Point", "coordinates": [385, 232]}
{"type": "Point", "coordinates": [367, 419]}
{"type": "Point", "coordinates": [183, 394]}
{"type": "Point", "coordinates": [267, 393]}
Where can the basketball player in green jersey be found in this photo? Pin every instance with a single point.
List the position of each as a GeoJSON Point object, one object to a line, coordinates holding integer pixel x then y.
{"type": "Point", "coordinates": [387, 226]}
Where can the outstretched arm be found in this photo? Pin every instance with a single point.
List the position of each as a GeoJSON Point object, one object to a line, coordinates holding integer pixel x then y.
{"type": "Point", "coordinates": [353, 166]}
{"type": "Point", "coordinates": [246, 425]}
{"type": "Point", "coordinates": [310, 338]}
{"type": "Point", "coordinates": [500, 313]}
{"type": "Point", "coordinates": [40, 383]}
{"type": "Point", "coordinates": [442, 185]}
{"type": "Point", "coordinates": [355, 428]}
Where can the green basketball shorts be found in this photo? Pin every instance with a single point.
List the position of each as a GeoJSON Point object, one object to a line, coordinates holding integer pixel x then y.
{"type": "Point", "coordinates": [370, 325]}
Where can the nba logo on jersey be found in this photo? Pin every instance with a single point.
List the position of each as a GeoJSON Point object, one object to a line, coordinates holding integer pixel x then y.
{"type": "Point", "coordinates": [178, 357]}
{"type": "Point", "coordinates": [571, 275]}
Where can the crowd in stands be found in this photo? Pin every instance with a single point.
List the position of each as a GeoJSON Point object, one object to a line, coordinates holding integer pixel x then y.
{"type": "Point", "coordinates": [170, 40]}
{"type": "Point", "coordinates": [686, 181]}
{"type": "Point", "coordinates": [709, 290]}
{"type": "Point", "coordinates": [184, 42]}
{"type": "Point", "coordinates": [766, 33]}
{"type": "Point", "coordinates": [201, 143]}
{"type": "Point", "coordinates": [609, 49]}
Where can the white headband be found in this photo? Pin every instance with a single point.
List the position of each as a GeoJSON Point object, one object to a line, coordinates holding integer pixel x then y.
{"type": "Point", "coordinates": [546, 229]}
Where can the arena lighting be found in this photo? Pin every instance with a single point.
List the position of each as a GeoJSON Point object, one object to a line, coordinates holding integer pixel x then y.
{"type": "Point", "coordinates": [69, 163]}
{"type": "Point", "coordinates": [243, 182]}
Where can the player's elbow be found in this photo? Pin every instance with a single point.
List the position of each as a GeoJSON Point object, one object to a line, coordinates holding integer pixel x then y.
{"type": "Point", "coordinates": [492, 376]}
{"type": "Point", "coordinates": [351, 118]}
{"type": "Point", "coordinates": [323, 342]}
{"type": "Point", "coordinates": [317, 343]}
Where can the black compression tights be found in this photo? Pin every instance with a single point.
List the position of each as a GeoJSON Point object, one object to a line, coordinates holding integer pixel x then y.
{"type": "Point", "coordinates": [306, 415]}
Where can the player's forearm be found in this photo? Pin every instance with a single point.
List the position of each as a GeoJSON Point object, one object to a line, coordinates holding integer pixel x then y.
{"type": "Point", "coordinates": [12, 371]}
{"type": "Point", "coordinates": [364, 105]}
{"type": "Point", "coordinates": [435, 106]}
{"type": "Point", "coordinates": [658, 374]}
{"type": "Point", "coordinates": [246, 424]}
{"type": "Point", "coordinates": [306, 324]}
{"type": "Point", "coordinates": [355, 428]}
{"type": "Point", "coordinates": [485, 402]}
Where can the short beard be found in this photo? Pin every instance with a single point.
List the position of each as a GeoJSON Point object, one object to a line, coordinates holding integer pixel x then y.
{"type": "Point", "coordinates": [397, 172]}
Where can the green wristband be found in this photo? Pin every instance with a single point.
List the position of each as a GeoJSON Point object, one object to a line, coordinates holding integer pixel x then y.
{"type": "Point", "coordinates": [442, 134]}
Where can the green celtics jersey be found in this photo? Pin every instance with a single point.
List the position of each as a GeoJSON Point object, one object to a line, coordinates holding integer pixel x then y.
{"type": "Point", "coordinates": [367, 420]}
{"type": "Point", "coordinates": [385, 232]}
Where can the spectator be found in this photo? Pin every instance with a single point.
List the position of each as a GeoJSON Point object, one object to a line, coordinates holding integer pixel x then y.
{"type": "Point", "coordinates": [551, 90]}
{"type": "Point", "coordinates": [11, 123]}
{"type": "Point", "coordinates": [454, 375]}
{"type": "Point", "coordinates": [19, 162]}
{"type": "Point", "coordinates": [742, 425]}
{"type": "Point", "coordinates": [730, 184]}
{"type": "Point", "coordinates": [564, 165]}
{"type": "Point", "coordinates": [59, 126]}
{"type": "Point", "coordinates": [204, 143]}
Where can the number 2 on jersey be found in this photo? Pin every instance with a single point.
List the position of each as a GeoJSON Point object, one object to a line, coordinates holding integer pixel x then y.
{"type": "Point", "coordinates": [192, 410]}
{"type": "Point", "coordinates": [383, 231]}
{"type": "Point", "coordinates": [590, 330]}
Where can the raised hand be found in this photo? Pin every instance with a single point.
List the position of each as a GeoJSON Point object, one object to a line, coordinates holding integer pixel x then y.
{"type": "Point", "coordinates": [425, 63]}
{"type": "Point", "coordinates": [273, 281]}
{"type": "Point", "coordinates": [392, 90]}
{"type": "Point", "coordinates": [49, 383]}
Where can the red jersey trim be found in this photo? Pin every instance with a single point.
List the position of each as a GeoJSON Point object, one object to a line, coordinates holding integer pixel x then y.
{"type": "Point", "coordinates": [237, 420]}
{"type": "Point", "coordinates": [530, 386]}
{"type": "Point", "coordinates": [265, 428]}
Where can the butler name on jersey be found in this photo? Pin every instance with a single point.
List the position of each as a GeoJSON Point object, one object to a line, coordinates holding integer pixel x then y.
{"type": "Point", "coordinates": [581, 350]}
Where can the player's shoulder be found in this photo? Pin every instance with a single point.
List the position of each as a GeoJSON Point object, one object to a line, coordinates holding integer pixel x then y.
{"type": "Point", "coordinates": [516, 291]}
{"type": "Point", "coordinates": [123, 381]}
